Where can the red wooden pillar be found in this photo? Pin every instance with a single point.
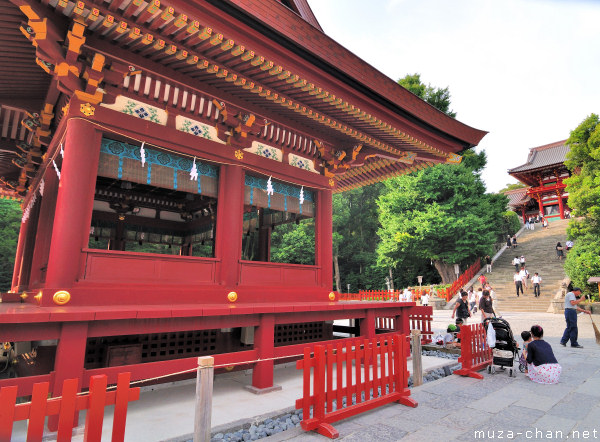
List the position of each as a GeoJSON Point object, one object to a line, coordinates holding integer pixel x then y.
{"type": "Point", "coordinates": [230, 206]}
{"type": "Point", "coordinates": [19, 256]}
{"type": "Point", "coordinates": [28, 247]}
{"type": "Point", "coordinates": [523, 214]}
{"type": "Point", "coordinates": [323, 238]}
{"type": "Point", "coordinates": [540, 204]}
{"type": "Point", "coordinates": [367, 325]}
{"type": "Point", "coordinates": [44, 231]}
{"type": "Point", "coordinates": [561, 207]}
{"type": "Point", "coordinates": [75, 200]}
{"type": "Point", "coordinates": [264, 344]}
{"type": "Point", "coordinates": [69, 361]}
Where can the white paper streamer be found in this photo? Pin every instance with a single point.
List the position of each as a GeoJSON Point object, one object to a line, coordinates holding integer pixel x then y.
{"type": "Point", "coordinates": [143, 153]}
{"type": "Point", "coordinates": [56, 169]}
{"type": "Point", "coordinates": [269, 187]}
{"type": "Point", "coordinates": [194, 171]}
{"type": "Point", "coordinates": [301, 198]}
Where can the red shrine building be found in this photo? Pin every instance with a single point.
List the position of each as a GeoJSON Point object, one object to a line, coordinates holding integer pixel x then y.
{"type": "Point", "coordinates": [161, 150]}
{"type": "Point", "coordinates": [543, 174]}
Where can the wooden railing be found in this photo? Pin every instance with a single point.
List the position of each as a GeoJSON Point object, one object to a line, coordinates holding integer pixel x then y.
{"type": "Point", "coordinates": [370, 372]}
{"type": "Point", "coordinates": [475, 354]}
{"type": "Point", "coordinates": [66, 407]}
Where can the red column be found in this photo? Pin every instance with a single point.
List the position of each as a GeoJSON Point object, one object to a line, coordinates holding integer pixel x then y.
{"type": "Point", "coordinates": [523, 214]}
{"type": "Point", "coordinates": [19, 256]}
{"type": "Point", "coordinates": [27, 255]}
{"type": "Point", "coordinates": [540, 204]}
{"type": "Point", "coordinates": [74, 204]}
{"type": "Point", "coordinates": [367, 325]}
{"type": "Point", "coordinates": [44, 231]}
{"type": "Point", "coordinates": [561, 207]}
{"type": "Point", "coordinates": [230, 206]}
{"type": "Point", "coordinates": [264, 338]}
{"type": "Point", "coordinates": [69, 361]}
{"type": "Point", "coordinates": [324, 253]}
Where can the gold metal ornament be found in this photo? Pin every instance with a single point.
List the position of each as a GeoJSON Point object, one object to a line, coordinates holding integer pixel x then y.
{"type": "Point", "coordinates": [239, 154]}
{"type": "Point", "coordinates": [332, 296]}
{"type": "Point", "coordinates": [87, 109]}
{"type": "Point", "coordinates": [61, 297]}
{"type": "Point", "coordinates": [232, 296]}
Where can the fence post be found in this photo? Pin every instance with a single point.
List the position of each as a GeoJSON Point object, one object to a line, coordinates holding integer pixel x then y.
{"type": "Point", "coordinates": [415, 337]}
{"type": "Point", "coordinates": [204, 391]}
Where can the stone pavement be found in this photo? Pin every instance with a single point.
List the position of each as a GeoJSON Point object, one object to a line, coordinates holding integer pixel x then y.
{"type": "Point", "coordinates": [497, 407]}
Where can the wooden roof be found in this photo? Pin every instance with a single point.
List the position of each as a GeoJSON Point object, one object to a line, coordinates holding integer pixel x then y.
{"type": "Point", "coordinates": [546, 158]}
{"type": "Point", "coordinates": [259, 55]}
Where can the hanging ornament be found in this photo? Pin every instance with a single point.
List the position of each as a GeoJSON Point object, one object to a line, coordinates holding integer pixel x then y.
{"type": "Point", "coordinates": [194, 171]}
{"type": "Point", "coordinates": [269, 187]}
{"type": "Point", "coordinates": [301, 198]}
{"type": "Point", "coordinates": [143, 153]}
{"type": "Point", "coordinates": [27, 210]}
{"type": "Point", "coordinates": [56, 169]}
{"type": "Point", "coordinates": [42, 186]}
{"type": "Point", "coordinates": [62, 151]}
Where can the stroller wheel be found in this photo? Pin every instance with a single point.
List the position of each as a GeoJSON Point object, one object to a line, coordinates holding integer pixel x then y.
{"type": "Point", "coordinates": [521, 368]}
{"type": "Point", "coordinates": [493, 369]}
{"type": "Point", "coordinates": [489, 368]}
{"type": "Point", "coordinates": [511, 373]}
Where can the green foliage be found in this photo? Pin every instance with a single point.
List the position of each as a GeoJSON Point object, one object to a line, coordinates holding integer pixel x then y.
{"type": "Point", "coordinates": [440, 213]}
{"type": "Point", "coordinates": [583, 261]}
{"type": "Point", "coordinates": [10, 222]}
{"type": "Point", "coordinates": [510, 224]}
{"type": "Point", "coordinates": [437, 97]}
{"type": "Point", "coordinates": [294, 243]}
{"type": "Point", "coordinates": [583, 160]}
{"type": "Point", "coordinates": [512, 186]}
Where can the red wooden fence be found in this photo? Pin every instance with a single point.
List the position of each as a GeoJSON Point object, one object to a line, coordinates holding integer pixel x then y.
{"type": "Point", "coordinates": [419, 318]}
{"type": "Point", "coordinates": [475, 354]}
{"type": "Point", "coordinates": [379, 376]}
{"type": "Point", "coordinates": [66, 407]}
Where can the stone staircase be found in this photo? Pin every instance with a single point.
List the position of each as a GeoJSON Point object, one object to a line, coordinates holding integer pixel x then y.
{"type": "Point", "coordinates": [538, 246]}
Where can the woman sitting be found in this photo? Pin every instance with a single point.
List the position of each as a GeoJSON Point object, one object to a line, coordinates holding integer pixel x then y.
{"type": "Point", "coordinates": [542, 365]}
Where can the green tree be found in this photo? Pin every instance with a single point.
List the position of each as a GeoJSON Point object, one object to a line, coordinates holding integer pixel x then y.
{"type": "Point", "coordinates": [10, 222]}
{"type": "Point", "coordinates": [437, 97]}
{"type": "Point", "coordinates": [294, 243]}
{"type": "Point", "coordinates": [512, 186]}
{"type": "Point", "coordinates": [440, 214]}
{"type": "Point", "coordinates": [583, 160]}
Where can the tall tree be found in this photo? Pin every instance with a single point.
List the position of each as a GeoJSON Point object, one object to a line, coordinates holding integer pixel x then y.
{"type": "Point", "coordinates": [583, 160]}
{"type": "Point", "coordinates": [436, 96]}
{"type": "Point", "coordinates": [10, 221]}
{"type": "Point", "coordinates": [440, 214]}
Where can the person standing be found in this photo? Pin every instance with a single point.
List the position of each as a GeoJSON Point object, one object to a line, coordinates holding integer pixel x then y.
{"type": "Point", "coordinates": [425, 299]}
{"type": "Point", "coordinates": [532, 223]}
{"type": "Point", "coordinates": [485, 306]}
{"type": "Point", "coordinates": [524, 274]}
{"type": "Point", "coordinates": [572, 301]}
{"type": "Point", "coordinates": [517, 263]}
{"type": "Point", "coordinates": [514, 241]}
{"type": "Point", "coordinates": [522, 260]}
{"type": "Point", "coordinates": [482, 280]}
{"type": "Point", "coordinates": [461, 308]}
{"type": "Point", "coordinates": [559, 250]}
{"type": "Point", "coordinates": [508, 242]}
{"type": "Point", "coordinates": [527, 224]}
{"type": "Point", "coordinates": [518, 283]}
{"type": "Point", "coordinates": [536, 280]}
{"type": "Point", "coordinates": [472, 300]}
{"type": "Point", "coordinates": [488, 263]}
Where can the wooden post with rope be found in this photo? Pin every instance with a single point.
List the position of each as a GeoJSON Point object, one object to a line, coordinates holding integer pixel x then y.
{"type": "Point", "coordinates": [204, 393]}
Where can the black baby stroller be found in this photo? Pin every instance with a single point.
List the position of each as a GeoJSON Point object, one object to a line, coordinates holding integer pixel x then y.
{"type": "Point", "coordinates": [506, 350]}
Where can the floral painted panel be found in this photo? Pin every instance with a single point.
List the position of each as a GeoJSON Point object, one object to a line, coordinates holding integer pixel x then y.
{"type": "Point", "coordinates": [138, 109]}
{"type": "Point", "coordinates": [302, 163]}
{"type": "Point", "coordinates": [197, 128]}
{"type": "Point", "coordinates": [265, 151]}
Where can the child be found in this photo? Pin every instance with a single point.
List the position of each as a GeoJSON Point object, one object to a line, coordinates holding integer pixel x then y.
{"type": "Point", "coordinates": [526, 336]}
{"type": "Point", "coordinates": [449, 337]}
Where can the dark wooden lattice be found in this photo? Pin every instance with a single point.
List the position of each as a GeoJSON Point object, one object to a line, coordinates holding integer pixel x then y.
{"type": "Point", "coordinates": [287, 334]}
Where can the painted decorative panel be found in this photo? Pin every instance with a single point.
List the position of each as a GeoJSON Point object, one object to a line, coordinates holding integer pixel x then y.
{"type": "Point", "coordinates": [302, 163]}
{"type": "Point", "coordinates": [197, 128]}
{"type": "Point", "coordinates": [138, 109]}
{"type": "Point", "coordinates": [265, 151]}
{"type": "Point", "coordinates": [286, 197]}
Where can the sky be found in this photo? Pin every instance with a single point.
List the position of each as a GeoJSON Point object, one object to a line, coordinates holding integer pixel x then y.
{"type": "Point", "coordinates": [526, 71]}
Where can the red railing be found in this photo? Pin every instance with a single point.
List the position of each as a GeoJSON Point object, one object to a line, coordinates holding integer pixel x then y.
{"type": "Point", "coordinates": [475, 354]}
{"type": "Point", "coordinates": [66, 408]}
{"type": "Point", "coordinates": [461, 281]}
{"type": "Point", "coordinates": [419, 318]}
{"type": "Point", "coordinates": [379, 376]}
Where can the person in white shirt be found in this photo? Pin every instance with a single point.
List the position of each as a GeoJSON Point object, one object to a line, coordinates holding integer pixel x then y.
{"type": "Point", "coordinates": [472, 300]}
{"type": "Point", "coordinates": [537, 279]}
{"type": "Point", "coordinates": [425, 299]}
{"type": "Point", "coordinates": [517, 263]}
{"type": "Point", "coordinates": [518, 282]}
{"type": "Point", "coordinates": [524, 274]}
{"type": "Point", "coordinates": [407, 295]}
{"type": "Point", "coordinates": [522, 260]}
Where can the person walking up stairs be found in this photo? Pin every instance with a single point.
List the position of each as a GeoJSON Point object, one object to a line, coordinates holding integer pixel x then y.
{"type": "Point", "coordinates": [538, 248]}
